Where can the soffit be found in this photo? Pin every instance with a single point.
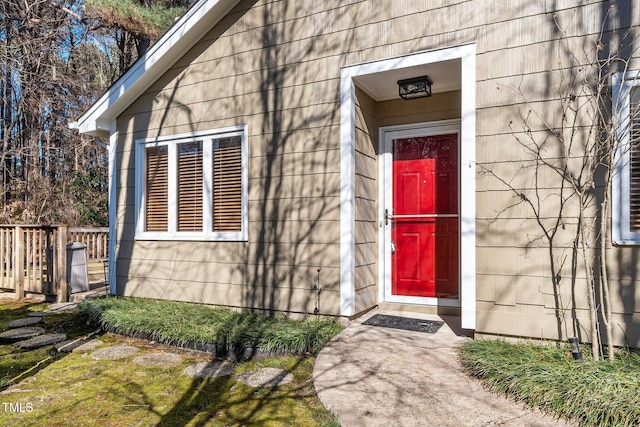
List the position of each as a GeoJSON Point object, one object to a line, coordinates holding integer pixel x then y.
{"type": "Point", "coordinates": [381, 86]}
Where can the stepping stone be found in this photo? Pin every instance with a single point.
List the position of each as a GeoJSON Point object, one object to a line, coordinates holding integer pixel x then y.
{"type": "Point", "coordinates": [20, 334]}
{"type": "Point", "coordinates": [265, 377]}
{"type": "Point", "coordinates": [27, 321]}
{"type": "Point", "coordinates": [159, 360]}
{"type": "Point", "coordinates": [78, 345]}
{"type": "Point", "coordinates": [88, 346]}
{"type": "Point", "coordinates": [62, 306]}
{"type": "Point", "coordinates": [114, 353]}
{"type": "Point", "coordinates": [40, 341]}
{"type": "Point", "coordinates": [42, 313]}
{"type": "Point", "coordinates": [209, 369]}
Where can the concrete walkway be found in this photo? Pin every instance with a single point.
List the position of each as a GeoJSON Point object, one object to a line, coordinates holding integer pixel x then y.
{"type": "Point", "coordinates": [374, 376]}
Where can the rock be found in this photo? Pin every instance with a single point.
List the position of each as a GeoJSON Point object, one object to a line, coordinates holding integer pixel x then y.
{"type": "Point", "coordinates": [27, 321]}
{"type": "Point", "coordinates": [88, 346]}
{"type": "Point", "coordinates": [160, 360]}
{"type": "Point", "coordinates": [61, 306]}
{"type": "Point", "coordinates": [19, 334]}
{"type": "Point", "coordinates": [265, 377]}
{"type": "Point", "coordinates": [40, 341]}
{"type": "Point", "coordinates": [42, 313]}
{"type": "Point", "coordinates": [209, 369]}
{"type": "Point", "coordinates": [114, 353]}
{"type": "Point", "coordinates": [78, 344]}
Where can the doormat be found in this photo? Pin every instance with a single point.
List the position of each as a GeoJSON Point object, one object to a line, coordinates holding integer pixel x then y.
{"type": "Point", "coordinates": [406, 323]}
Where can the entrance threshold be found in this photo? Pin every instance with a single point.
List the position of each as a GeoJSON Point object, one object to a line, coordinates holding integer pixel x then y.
{"type": "Point", "coordinates": [419, 308]}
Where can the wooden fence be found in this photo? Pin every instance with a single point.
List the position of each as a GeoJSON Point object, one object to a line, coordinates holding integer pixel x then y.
{"type": "Point", "coordinates": [96, 239]}
{"type": "Point", "coordinates": [33, 258]}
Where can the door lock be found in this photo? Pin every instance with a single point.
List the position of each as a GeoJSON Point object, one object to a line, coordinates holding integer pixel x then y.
{"type": "Point", "coordinates": [393, 247]}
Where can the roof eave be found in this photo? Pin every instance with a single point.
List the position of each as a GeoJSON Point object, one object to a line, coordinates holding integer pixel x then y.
{"type": "Point", "coordinates": [183, 35]}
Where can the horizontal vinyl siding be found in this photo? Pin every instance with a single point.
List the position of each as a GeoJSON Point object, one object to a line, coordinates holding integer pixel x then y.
{"type": "Point", "coordinates": [522, 72]}
{"type": "Point", "coordinates": [293, 169]}
{"type": "Point", "coordinates": [281, 78]}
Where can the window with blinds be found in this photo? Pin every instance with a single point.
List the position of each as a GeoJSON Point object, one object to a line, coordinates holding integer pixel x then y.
{"type": "Point", "coordinates": [227, 184]}
{"type": "Point", "coordinates": [634, 159]}
{"type": "Point", "coordinates": [625, 185]}
{"type": "Point", "coordinates": [192, 186]}
{"type": "Point", "coordinates": [190, 181]}
{"type": "Point", "coordinates": [157, 188]}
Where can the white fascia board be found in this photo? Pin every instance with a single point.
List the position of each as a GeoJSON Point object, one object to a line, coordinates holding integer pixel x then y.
{"type": "Point", "coordinates": [184, 34]}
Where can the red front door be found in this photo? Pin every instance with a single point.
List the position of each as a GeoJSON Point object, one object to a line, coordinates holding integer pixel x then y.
{"type": "Point", "coordinates": [425, 217]}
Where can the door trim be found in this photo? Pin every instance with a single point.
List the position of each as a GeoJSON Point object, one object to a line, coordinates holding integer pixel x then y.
{"type": "Point", "coordinates": [467, 55]}
{"type": "Point", "coordinates": [385, 197]}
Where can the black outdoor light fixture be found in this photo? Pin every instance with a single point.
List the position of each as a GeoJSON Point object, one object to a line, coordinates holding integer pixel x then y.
{"type": "Point", "coordinates": [414, 88]}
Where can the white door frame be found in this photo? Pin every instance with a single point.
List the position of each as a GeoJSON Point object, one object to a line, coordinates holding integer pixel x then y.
{"type": "Point", "coordinates": [467, 56]}
{"type": "Point", "coordinates": [385, 204]}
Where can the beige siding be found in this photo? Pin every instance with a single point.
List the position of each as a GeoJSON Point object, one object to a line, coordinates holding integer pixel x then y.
{"type": "Point", "coordinates": [275, 66]}
{"type": "Point", "coordinates": [366, 207]}
{"type": "Point", "coordinates": [441, 106]}
{"type": "Point", "coordinates": [235, 75]}
{"type": "Point", "coordinates": [525, 73]}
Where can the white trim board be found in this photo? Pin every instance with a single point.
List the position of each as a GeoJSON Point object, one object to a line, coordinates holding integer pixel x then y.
{"type": "Point", "coordinates": [466, 54]}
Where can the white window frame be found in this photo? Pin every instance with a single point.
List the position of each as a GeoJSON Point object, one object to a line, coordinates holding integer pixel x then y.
{"type": "Point", "coordinates": [622, 83]}
{"type": "Point", "coordinates": [207, 137]}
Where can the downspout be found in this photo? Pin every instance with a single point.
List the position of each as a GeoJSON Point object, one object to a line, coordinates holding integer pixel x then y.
{"type": "Point", "coordinates": [112, 149]}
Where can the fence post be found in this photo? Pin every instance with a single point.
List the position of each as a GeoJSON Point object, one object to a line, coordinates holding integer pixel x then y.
{"type": "Point", "coordinates": [18, 261]}
{"type": "Point", "coordinates": [62, 264]}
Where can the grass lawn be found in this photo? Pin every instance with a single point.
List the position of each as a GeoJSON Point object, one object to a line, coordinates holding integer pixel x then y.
{"type": "Point", "coordinates": [62, 389]}
{"type": "Point", "coordinates": [547, 377]}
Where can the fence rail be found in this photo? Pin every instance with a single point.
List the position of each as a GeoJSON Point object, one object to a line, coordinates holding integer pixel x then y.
{"type": "Point", "coordinates": [33, 258]}
{"type": "Point", "coordinates": [96, 239]}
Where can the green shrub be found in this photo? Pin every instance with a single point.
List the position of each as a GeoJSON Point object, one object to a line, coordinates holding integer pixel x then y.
{"type": "Point", "coordinates": [180, 323]}
{"type": "Point", "coordinates": [547, 377]}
